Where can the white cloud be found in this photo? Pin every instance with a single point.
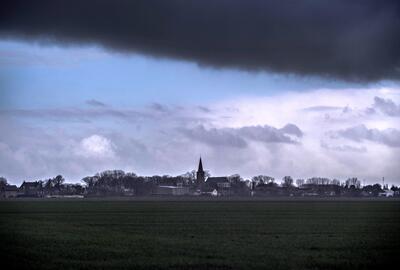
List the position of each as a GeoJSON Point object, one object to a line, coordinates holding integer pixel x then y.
{"type": "Point", "coordinates": [96, 146]}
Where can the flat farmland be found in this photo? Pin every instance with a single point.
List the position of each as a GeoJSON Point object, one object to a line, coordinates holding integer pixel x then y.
{"type": "Point", "coordinates": [273, 234]}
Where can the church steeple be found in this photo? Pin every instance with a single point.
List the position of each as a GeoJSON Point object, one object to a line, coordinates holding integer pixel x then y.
{"type": "Point", "coordinates": [200, 174]}
{"type": "Point", "coordinates": [200, 166]}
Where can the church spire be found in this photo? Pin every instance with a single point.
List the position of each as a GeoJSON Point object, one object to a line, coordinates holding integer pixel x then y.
{"type": "Point", "coordinates": [200, 166]}
{"type": "Point", "coordinates": [200, 174]}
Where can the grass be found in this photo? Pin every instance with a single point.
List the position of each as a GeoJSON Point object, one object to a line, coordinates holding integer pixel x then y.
{"type": "Point", "coordinates": [199, 234]}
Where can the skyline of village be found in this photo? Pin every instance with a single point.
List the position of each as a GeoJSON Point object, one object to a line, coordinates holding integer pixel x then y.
{"type": "Point", "coordinates": [194, 183]}
{"type": "Point", "coordinates": [208, 173]}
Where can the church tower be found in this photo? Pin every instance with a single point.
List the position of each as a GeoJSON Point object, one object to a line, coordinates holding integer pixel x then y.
{"type": "Point", "coordinates": [200, 174]}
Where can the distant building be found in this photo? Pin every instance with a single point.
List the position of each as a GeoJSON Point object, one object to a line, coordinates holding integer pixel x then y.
{"type": "Point", "coordinates": [9, 191]}
{"type": "Point", "coordinates": [31, 189]}
{"type": "Point", "coordinates": [209, 192]}
{"type": "Point", "coordinates": [220, 182]}
{"type": "Point", "coordinates": [171, 190]}
{"type": "Point", "coordinates": [386, 193]}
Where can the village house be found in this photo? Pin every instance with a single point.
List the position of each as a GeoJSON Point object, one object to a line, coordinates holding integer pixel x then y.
{"type": "Point", "coordinates": [221, 184]}
{"type": "Point", "coordinates": [9, 191]}
{"type": "Point", "coordinates": [208, 191]}
{"type": "Point", "coordinates": [31, 189]}
{"type": "Point", "coordinates": [386, 193]}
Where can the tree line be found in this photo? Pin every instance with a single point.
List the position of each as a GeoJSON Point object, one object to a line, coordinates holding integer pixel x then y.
{"type": "Point", "coordinates": [120, 183]}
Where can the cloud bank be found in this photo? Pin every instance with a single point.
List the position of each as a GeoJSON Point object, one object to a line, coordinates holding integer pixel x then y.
{"type": "Point", "coordinates": [276, 135]}
{"type": "Point", "coordinates": [354, 40]}
{"type": "Point", "coordinates": [389, 137]}
{"type": "Point", "coordinates": [236, 137]}
{"type": "Point", "coordinates": [386, 106]}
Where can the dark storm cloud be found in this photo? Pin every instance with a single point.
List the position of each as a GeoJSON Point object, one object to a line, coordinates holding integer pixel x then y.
{"type": "Point", "coordinates": [345, 39]}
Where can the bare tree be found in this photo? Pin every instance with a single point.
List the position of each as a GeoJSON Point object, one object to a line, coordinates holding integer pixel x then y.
{"type": "Point", "coordinates": [335, 182]}
{"type": "Point", "coordinates": [318, 181]}
{"type": "Point", "coordinates": [262, 179]}
{"type": "Point", "coordinates": [300, 182]}
{"type": "Point", "coordinates": [90, 181]}
{"type": "Point", "coordinates": [287, 181]}
{"type": "Point", "coordinates": [3, 181]}
{"type": "Point", "coordinates": [58, 181]}
{"type": "Point", "coordinates": [353, 182]}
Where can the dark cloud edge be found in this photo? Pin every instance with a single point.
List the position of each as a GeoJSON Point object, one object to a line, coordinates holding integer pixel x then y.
{"type": "Point", "coordinates": [346, 40]}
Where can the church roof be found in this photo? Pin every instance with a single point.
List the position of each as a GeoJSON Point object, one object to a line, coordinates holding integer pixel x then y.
{"type": "Point", "coordinates": [11, 188]}
{"type": "Point", "coordinates": [215, 180]}
{"type": "Point", "coordinates": [35, 184]}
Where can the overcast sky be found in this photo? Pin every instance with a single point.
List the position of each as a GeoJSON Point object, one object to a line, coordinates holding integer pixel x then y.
{"type": "Point", "coordinates": [304, 88]}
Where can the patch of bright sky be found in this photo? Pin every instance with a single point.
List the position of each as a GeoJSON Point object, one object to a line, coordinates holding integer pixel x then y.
{"type": "Point", "coordinates": [34, 75]}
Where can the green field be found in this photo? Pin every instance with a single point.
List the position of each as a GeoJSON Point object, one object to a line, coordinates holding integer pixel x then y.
{"type": "Point", "coordinates": [199, 234]}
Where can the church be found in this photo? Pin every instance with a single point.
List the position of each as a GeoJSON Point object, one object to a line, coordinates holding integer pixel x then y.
{"type": "Point", "coordinates": [220, 184]}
